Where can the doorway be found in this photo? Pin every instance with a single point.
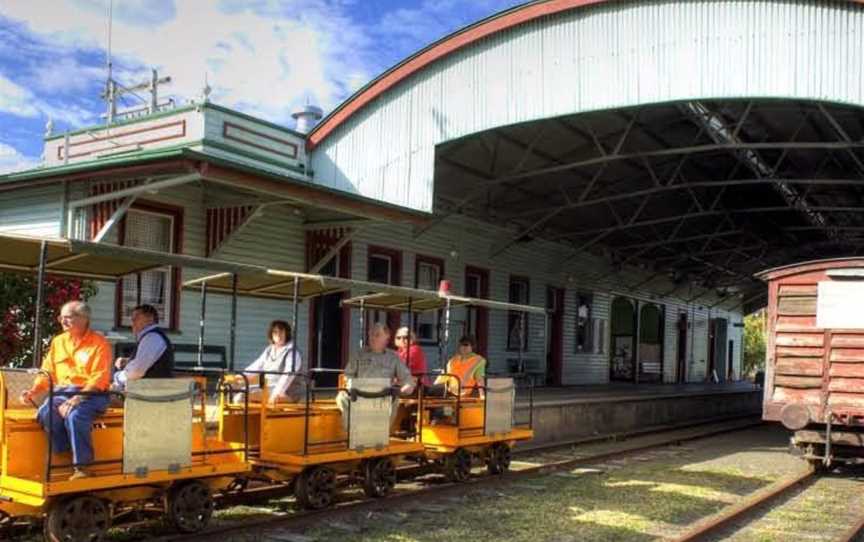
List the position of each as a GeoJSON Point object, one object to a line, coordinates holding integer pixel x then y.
{"type": "Point", "coordinates": [623, 331]}
{"type": "Point", "coordinates": [717, 333]}
{"type": "Point", "coordinates": [555, 336]}
{"type": "Point", "coordinates": [681, 376]}
{"type": "Point", "coordinates": [477, 318]}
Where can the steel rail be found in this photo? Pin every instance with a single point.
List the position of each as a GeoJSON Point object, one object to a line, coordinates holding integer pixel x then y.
{"type": "Point", "coordinates": [717, 522]}
{"type": "Point", "coordinates": [312, 518]}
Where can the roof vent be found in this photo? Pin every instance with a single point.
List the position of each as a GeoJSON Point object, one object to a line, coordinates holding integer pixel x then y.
{"type": "Point", "coordinates": [307, 117]}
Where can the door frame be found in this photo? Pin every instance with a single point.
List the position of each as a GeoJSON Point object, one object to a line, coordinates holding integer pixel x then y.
{"type": "Point", "coordinates": [482, 334]}
{"type": "Point", "coordinates": [555, 354]}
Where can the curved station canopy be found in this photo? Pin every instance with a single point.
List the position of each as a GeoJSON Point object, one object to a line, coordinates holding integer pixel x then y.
{"type": "Point", "coordinates": [703, 140]}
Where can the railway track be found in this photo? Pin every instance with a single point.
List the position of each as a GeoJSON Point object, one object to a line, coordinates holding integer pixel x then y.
{"type": "Point", "coordinates": [770, 514]}
{"type": "Point", "coordinates": [299, 521]}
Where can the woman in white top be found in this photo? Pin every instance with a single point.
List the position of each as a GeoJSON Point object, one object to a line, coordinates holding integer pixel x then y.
{"type": "Point", "coordinates": [280, 356]}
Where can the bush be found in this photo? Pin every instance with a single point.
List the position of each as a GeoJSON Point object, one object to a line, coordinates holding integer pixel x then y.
{"type": "Point", "coordinates": [754, 342]}
{"type": "Point", "coordinates": [18, 309]}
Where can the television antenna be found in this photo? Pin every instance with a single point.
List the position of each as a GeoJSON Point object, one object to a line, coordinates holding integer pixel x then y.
{"type": "Point", "coordinates": [114, 91]}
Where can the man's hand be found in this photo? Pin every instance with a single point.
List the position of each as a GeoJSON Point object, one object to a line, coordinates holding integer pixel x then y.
{"type": "Point", "coordinates": [67, 407]}
{"type": "Point", "coordinates": [27, 396]}
{"type": "Point", "coordinates": [119, 363]}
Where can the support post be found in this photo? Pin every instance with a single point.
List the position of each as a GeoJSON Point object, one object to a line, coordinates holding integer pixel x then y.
{"type": "Point", "coordinates": [201, 325]}
{"type": "Point", "coordinates": [40, 293]}
{"type": "Point", "coordinates": [362, 324]}
{"type": "Point", "coordinates": [295, 309]}
{"type": "Point", "coordinates": [232, 338]}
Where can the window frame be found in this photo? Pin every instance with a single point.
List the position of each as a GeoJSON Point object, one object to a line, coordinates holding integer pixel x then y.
{"type": "Point", "coordinates": [515, 315]}
{"type": "Point", "coordinates": [589, 346]}
{"type": "Point", "coordinates": [419, 260]}
{"type": "Point", "coordinates": [393, 318]}
{"type": "Point", "coordinates": [171, 321]}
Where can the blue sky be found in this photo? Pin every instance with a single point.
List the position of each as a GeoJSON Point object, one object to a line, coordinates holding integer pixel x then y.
{"type": "Point", "coordinates": [263, 57]}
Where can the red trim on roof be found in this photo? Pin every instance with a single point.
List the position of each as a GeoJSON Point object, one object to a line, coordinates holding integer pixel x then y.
{"type": "Point", "coordinates": [435, 52]}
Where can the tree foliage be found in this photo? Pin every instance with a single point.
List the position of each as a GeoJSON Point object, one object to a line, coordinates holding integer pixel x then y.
{"type": "Point", "coordinates": [754, 342]}
{"type": "Point", "coordinates": [18, 309]}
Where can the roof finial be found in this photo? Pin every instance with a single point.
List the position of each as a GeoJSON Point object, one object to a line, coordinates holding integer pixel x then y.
{"type": "Point", "coordinates": [49, 128]}
{"type": "Point", "coordinates": [205, 90]}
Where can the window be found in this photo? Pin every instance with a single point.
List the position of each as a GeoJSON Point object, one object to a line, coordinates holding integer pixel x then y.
{"type": "Point", "coordinates": [427, 276]}
{"type": "Point", "coordinates": [384, 267]}
{"type": "Point", "coordinates": [517, 322]}
{"type": "Point", "coordinates": [584, 323]}
{"type": "Point", "coordinates": [149, 228]}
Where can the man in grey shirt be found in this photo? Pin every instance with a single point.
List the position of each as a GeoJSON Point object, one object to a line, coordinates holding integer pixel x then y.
{"type": "Point", "coordinates": [375, 361]}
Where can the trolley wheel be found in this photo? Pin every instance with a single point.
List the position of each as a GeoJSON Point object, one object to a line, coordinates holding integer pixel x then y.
{"type": "Point", "coordinates": [7, 524]}
{"type": "Point", "coordinates": [498, 458]}
{"type": "Point", "coordinates": [190, 506]}
{"type": "Point", "coordinates": [315, 488]}
{"type": "Point", "coordinates": [379, 477]}
{"type": "Point", "coordinates": [457, 466]}
{"type": "Point", "coordinates": [77, 519]}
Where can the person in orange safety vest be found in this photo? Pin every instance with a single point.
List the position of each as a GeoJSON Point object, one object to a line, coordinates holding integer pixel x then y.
{"type": "Point", "coordinates": [469, 367]}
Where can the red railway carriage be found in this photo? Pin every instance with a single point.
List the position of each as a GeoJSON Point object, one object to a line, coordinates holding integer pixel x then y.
{"type": "Point", "coordinates": [814, 379]}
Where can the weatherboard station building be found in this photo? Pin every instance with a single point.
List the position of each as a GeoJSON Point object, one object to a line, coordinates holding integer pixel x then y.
{"type": "Point", "coordinates": [628, 165]}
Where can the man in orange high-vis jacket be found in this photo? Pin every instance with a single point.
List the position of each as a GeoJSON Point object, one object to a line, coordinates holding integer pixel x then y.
{"type": "Point", "coordinates": [79, 360]}
{"type": "Point", "coordinates": [468, 366]}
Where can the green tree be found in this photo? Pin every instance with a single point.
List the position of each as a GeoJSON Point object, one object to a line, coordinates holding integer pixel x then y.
{"type": "Point", "coordinates": [18, 309]}
{"type": "Point", "coordinates": [754, 342]}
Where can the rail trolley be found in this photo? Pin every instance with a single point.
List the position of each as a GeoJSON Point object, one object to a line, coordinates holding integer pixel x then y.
{"type": "Point", "coordinates": [479, 429]}
{"type": "Point", "coordinates": [141, 469]}
{"type": "Point", "coordinates": [814, 378]}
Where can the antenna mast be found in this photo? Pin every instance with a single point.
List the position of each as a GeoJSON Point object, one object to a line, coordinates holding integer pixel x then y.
{"type": "Point", "coordinates": [110, 86]}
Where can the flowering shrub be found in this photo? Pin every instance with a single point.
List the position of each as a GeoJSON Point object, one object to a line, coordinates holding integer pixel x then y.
{"type": "Point", "coordinates": [18, 308]}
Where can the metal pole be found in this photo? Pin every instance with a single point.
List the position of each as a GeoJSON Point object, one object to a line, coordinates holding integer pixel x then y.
{"type": "Point", "coordinates": [296, 305]}
{"type": "Point", "coordinates": [521, 342]}
{"type": "Point", "coordinates": [233, 332]}
{"type": "Point", "coordinates": [546, 340]}
{"type": "Point", "coordinates": [362, 324]}
{"type": "Point", "coordinates": [201, 325]}
{"type": "Point", "coordinates": [319, 314]}
{"type": "Point", "coordinates": [37, 318]}
{"type": "Point", "coordinates": [442, 345]}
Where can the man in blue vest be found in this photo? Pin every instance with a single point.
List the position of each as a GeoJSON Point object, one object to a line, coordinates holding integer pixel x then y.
{"type": "Point", "coordinates": [153, 356]}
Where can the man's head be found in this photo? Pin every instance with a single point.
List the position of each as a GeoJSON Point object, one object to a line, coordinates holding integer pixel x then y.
{"type": "Point", "coordinates": [379, 337]}
{"type": "Point", "coordinates": [143, 316]}
{"type": "Point", "coordinates": [466, 345]}
{"type": "Point", "coordinates": [75, 318]}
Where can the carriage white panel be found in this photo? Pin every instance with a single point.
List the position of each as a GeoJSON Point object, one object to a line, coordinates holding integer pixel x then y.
{"type": "Point", "coordinates": [157, 425]}
{"type": "Point", "coordinates": [370, 418]}
{"type": "Point", "coordinates": [500, 400]}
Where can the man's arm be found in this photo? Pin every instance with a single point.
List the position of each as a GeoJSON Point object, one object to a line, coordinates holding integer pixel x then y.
{"type": "Point", "coordinates": [403, 375]}
{"type": "Point", "coordinates": [149, 350]}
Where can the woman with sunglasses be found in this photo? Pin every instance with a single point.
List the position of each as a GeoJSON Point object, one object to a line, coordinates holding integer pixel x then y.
{"type": "Point", "coordinates": [413, 356]}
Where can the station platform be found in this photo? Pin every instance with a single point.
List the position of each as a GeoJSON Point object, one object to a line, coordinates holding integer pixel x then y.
{"type": "Point", "coordinates": [575, 413]}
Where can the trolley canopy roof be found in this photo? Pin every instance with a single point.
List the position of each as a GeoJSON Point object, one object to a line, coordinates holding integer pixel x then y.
{"type": "Point", "coordinates": [279, 284]}
{"type": "Point", "coordinates": [96, 261]}
{"type": "Point", "coordinates": [425, 300]}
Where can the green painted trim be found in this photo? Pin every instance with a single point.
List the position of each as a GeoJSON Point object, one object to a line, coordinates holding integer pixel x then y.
{"type": "Point", "coordinates": [136, 120]}
{"type": "Point", "coordinates": [251, 155]}
{"type": "Point", "coordinates": [123, 159]}
{"type": "Point", "coordinates": [246, 116]}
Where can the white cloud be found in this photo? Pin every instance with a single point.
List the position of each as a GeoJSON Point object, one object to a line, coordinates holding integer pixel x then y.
{"type": "Point", "coordinates": [21, 102]}
{"type": "Point", "coordinates": [264, 57]}
{"type": "Point", "coordinates": [12, 160]}
{"type": "Point", "coordinates": [16, 99]}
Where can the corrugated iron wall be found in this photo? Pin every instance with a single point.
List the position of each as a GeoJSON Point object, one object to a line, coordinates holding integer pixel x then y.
{"type": "Point", "coordinates": [611, 55]}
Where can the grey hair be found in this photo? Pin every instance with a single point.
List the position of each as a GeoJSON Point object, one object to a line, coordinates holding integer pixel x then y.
{"type": "Point", "coordinates": [78, 307]}
{"type": "Point", "coordinates": [377, 328]}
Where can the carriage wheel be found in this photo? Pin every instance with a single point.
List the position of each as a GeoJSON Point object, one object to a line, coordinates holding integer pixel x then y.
{"type": "Point", "coordinates": [498, 458]}
{"type": "Point", "coordinates": [7, 523]}
{"type": "Point", "coordinates": [190, 507]}
{"type": "Point", "coordinates": [77, 519]}
{"type": "Point", "coordinates": [379, 477]}
{"type": "Point", "coordinates": [315, 488]}
{"type": "Point", "coordinates": [457, 466]}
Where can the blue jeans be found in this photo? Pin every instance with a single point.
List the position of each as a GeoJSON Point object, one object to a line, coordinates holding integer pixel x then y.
{"type": "Point", "coordinates": [74, 431]}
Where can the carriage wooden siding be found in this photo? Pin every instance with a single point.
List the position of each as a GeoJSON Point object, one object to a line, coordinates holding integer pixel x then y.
{"type": "Point", "coordinates": [812, 361]}
{"type": "Point", "coordinates": [277, 238]}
